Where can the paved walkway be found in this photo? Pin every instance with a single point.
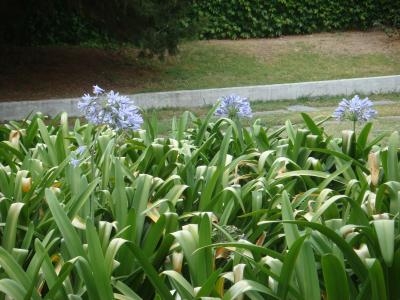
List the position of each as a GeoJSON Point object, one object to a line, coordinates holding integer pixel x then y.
{"type": "Point", "coordinates": [193, 98]}
{"type": "Point", "coordinates": [308, 108]}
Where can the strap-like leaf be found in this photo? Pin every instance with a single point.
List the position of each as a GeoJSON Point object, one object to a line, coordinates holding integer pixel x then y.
{"type": "Point", "coordinates": [245, 286]}
{"type": "Point", "coordinates": [335, 278]}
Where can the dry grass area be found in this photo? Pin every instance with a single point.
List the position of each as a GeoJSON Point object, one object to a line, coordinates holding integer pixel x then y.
{"type": "Point", "coordinates": [340, 43]}
{"type": "Point", "coordinates": [66, 71]}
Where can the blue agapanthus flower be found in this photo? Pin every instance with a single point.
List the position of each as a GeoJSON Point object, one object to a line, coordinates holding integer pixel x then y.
{"type": "Point", "coordinates": [112, 109]}
{"type": "Point", "coordinates": [234, 106]}
{"type": "Point", "coordinates": [356, 110]}
{"type": "Point", "coordinates": [77, 156]}
{"type": "Point", "coordinates": [75, 162]}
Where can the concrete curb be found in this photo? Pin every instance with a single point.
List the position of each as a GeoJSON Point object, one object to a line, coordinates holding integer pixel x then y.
{"type": "Point", "coordinates": [192, 98]}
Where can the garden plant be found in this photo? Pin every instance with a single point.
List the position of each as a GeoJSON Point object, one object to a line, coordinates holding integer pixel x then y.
{"type": "Point", "coordinates": [220, 208]}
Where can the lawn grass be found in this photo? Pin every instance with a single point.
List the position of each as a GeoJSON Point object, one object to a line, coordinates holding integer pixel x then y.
{"type": "Point", "coordinates": [274, 114]}
{"type": "Point", "coordinates": [69, 72]}
{"type": "Point", "coordinates": [216, 64]}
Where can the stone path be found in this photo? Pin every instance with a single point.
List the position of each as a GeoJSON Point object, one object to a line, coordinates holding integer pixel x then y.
{"type": "Point", "coordinates": [291, 91]}
{"type": "Point", "coordinates": [307, 108]}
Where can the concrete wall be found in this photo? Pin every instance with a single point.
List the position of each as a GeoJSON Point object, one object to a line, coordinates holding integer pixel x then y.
{"type": "Point", "coordinates": [193, 98]}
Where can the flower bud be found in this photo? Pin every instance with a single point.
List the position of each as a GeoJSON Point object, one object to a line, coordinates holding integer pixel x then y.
{"type": "Point", "coordinates": [177, 258]}
{"type": "Point", "coordinates": [222, 252]}
{"type": "Point", "coordinates": [373, 164]}
{"type": "Point", "coordinates": [261, 239]}
{"type": "Point", "coordinates": [345, 230]}
{"type": "Point", "coordinates": [26, 184]}
{"type": "Point", "coordinates": [14, 138]}
{"type": "Point", "coordinates": [55, 190]}
{"type": "Point", "coordinates": [384, 216]}
{"type": "Point", "coordinates": [363, 252]}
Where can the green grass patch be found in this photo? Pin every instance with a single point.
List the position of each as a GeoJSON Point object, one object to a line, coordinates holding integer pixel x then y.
{"type": "Point", "coordinates": [203, 64]}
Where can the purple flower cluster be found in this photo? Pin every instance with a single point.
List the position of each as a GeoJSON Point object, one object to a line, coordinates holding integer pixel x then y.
{"type": "Point", "coordinates": [110, 108]}
{"type": "Point", "coordinates": [234, 106]}
{"type": "Point", "coordinates": [77, 156]}
{"type": "Point", "coordinates": [355, 110]}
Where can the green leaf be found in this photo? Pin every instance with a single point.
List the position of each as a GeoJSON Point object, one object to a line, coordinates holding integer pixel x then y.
{"type": "Point", "coordinates": [164, 247]}
{"type": "Point", "coordinates": [335, 175]}
{"type": "Point", "coordinates": [6, 186]}
{"type": "Point", "coordinates": [142, 196]}
{"type": "Point", "coordinates": [8, 149]}
{"type": "Point", "coordinates": [72, 241]}
{"type": "Point", "coordinates": [184, 288]}
{"type": "Point", "coordinates": [291, 232]}
{"type": "Point", "coordinates": [251, 247]}
{"type": "Point", "coordinates": [86, 274]}
{"type": "Point", "coordinates": [244, 286]}
{"type": "Point", "coordinates": [28, 236]}
{"type": "Point", "coordinates": [151, 272]}
{"type": "Point", "coordinates": [306, 272]}
{"type": "Point", "coordinates": [179, 127]}
{"type": "Point", "coordinates": [54, 281]}
{"type": "Point", "coordinates": [111, 252]}
{"type": "Point", "coordinates": [61, 145]}
{"type": "Point", "coordinates": [309, 173]}
{"type": "Point", "coordinates": [97, 262]}
{"type": "Point", "coordinates": [385, 233]}
{"type": "Point", "coordinates": [14, 270]}
{"type": "Point", "coordinates": [393, 170]}
{"type": "Point", "coordinates": [204, 124]}
{"type": "Point", "coordinates": [50, 146]}
{"type": "Point", "coordinates": [291, 132]}
{"type": "Point", "coordinates": [325, 206]}
{"type": "Point", "coordinates": [12, 288]}
{"type": "Point", "coordinates": [377, 279]}
{"type": "Point", "coordinates": [288, 266]}
{"type": "Point", "coordinates": [362, 139]}
{"type": "Point", "coordinates": [188, 239]}
{"type": "Point", "coordinates": [119, 198]}
{"type": "Point", "coordinates": [154, 235]}
{"type": "Point", "coordinates": [354, 261]}
{"type": "Point", "coordinates": [349, 143]}
{"type": "Point", "coordinates": [77, 203]}
{"type": "Point", "coordinates": [209, 285]}
{"type": "Point", "coordinates": [393, 277]}
{"type": "Point", "coordinates": [10, 230]}
{"type": "Point", "coordinates": [175, 193]}
{"type": "Point", "coordinates": [335, 277]}
{"type": "Point", "coordinates": [314, 128]}
{"type": "Point", "coordinates": [34, 269]}
{"type": "Point", "coordinates": [205, 256]}
{"type": "Point", "coordinates": [106, 161]}
{"type": "Point", "coordinates": [126, 291]}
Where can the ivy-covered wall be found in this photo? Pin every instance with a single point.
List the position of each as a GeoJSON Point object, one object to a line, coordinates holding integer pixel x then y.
{"type": "Point", "coordinates": [268, 18]}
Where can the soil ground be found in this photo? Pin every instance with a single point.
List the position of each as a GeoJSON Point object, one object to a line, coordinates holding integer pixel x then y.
{"type": "Point", "coordinates": [66, 71]}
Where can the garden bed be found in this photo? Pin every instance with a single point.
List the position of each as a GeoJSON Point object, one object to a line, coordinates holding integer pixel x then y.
{"type": "Point", "coordinates": [217, 208]}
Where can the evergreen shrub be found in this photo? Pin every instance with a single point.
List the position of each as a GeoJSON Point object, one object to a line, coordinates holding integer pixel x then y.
{"type": "Point", "coordinates": [235, 19]}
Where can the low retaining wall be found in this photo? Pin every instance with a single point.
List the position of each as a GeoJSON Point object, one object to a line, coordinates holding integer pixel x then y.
{"type": "Point", "coordinates": [192, 98]}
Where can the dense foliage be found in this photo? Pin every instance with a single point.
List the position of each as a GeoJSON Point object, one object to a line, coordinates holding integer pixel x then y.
{"type": "Point", "coordinates": [256, 18]}
{"type": "Point", "coordinates": [214, 209]}
{"type": "Point", "coordinates": [158, 26]}
{"type": "Point", "coordinates": [153, 25]}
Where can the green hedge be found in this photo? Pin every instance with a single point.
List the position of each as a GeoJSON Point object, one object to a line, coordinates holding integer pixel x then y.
{"type": "Point", "coordinates": [258, 18]}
